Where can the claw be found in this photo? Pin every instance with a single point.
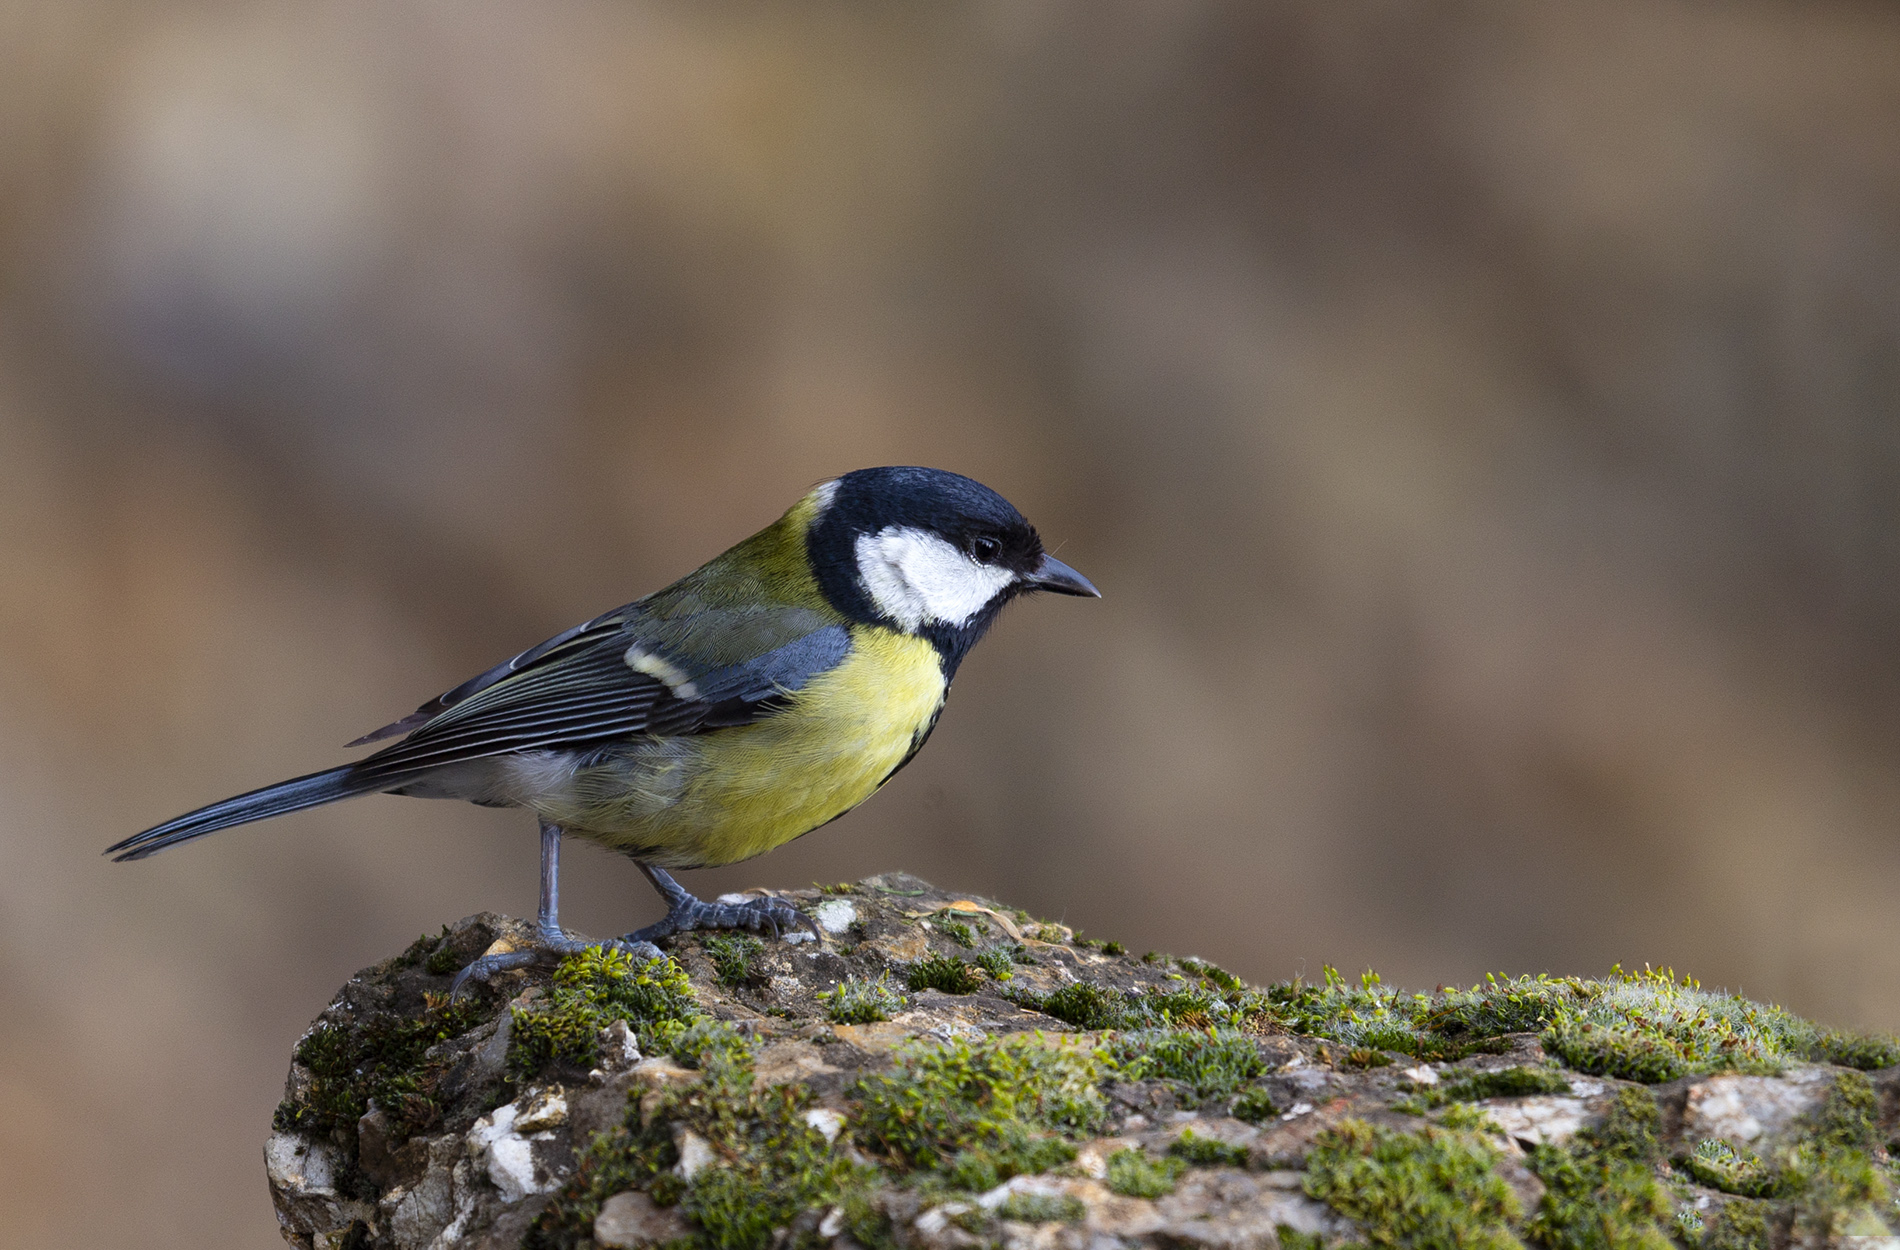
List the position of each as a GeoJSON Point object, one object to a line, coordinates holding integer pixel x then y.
{"type": "Point", "coordinates": [639, 950]}
{"type": "Point", "coordinates": [774, 911]}
{"type": "Point", "coordinates": [687, 913]}
{"type": "Point", "coordinates": [684, 912]}
{"type": "Point", "coordinates": [551, 944]}
{"type": "Point", "coordinates": [488, 965]}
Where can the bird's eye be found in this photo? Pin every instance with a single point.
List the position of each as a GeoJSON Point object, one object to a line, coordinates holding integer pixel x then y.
{"type": "Point", "coordinates": [985, 549]}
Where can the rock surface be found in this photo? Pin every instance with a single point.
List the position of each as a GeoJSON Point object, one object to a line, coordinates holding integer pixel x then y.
{"type": "Point", "coordinates": [942, 1071]}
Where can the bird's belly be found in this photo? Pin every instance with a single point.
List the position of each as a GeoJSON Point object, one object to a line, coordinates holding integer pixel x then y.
{"type": "Point", "coordinates": [721, 797]}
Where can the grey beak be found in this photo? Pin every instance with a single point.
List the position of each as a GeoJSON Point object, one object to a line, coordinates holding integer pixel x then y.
{"type": "Point", "coordinates": [1053, 574]}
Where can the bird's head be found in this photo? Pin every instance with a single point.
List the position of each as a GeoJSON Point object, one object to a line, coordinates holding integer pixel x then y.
{"type": "Point", "coordinates": [929, 553]}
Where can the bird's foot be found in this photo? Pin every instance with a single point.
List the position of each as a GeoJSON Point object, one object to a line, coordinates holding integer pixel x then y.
{"type": "Point", "coordinates": [756, 915]}
{"type": "Point", "coordinates": [550, 945]}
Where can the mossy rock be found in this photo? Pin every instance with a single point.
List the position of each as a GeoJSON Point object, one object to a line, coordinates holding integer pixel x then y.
{"type": "Point", "coordinates": [943, 1069]}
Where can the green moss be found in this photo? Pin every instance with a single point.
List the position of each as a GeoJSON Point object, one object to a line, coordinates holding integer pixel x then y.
{"type": "Point", "coordinates": [966, 1116]}
{"type": "Point", "coordinates": [1739, 1225]}
{"type": "Point", "coordinates": [1644, 1025]}
{"type": "Point", "coordinates": [725, 1201]}
{"type": "Point", "coordinates": [1368, 1015]}
{"type": "Point", "coordinates": [1626, 1054]}
{"type": "Point", "coordinates": [1133, 1174]}
{"type": "Point", "coordinates": [996, 962]}
{"type": "Point", "coordinates": [378, 1061]}
{"type": "Point", "coordinates": [1426, 1188]}
{"type": "Point", "coordinates": [1833, 1190]}
{"type": "Point", "coordinates": [1520, 1082]}
{"type": "Point", "coordinates": [1114, 948]}
{"type": "Point", "coordinates": [788, 1169]}
{"type": "Point", "coordinates": [1628, 1130]}
{"type": "Point", "coordinates": [945, 973]}
{"type": "Point", "coordinates": [1500, 1006]}
{"type": "Point", "coordinates": [1650, 1026]}
{"type": "Point", "coordinates": [712, 1046]}
{"type": "Point", "coordinates": [959, 932]}
{"type": "Point", "coordinates": [1191, 1006]}
{"type": "Point", "coordinates": [1721, 1166]}
{"type": "Point", "coordinates": [1591, 1203]}
{"type": "Point", "coordinates": [1089, 1005]}
{"type": "Point", "coordinates": [865, 1217]}
{"type": "Point", "coordinates": [1467, 1118]}
{"type": "Point", "coordinates": [1255, 1106]}
{"type": "Point", "coordinates": [1207, 1151]}
{"type": "Point", "coordinates": [1867, 1052]}
{"type": "Point", "coordinates": [1213, 1062]}
{"type": "Point", "coordinates": [733, 955]}
{"type": "Point", "coordinates": [1218, 977]}
{"type": "Point", "coordinates": [613, 1162]}
{"type": "Point", "coordinates": [1827, 1185]}
{"type": "Point", "coordinates": [774, 1164]}
{"type": "Point", "coordinates": [444, 961]}
{"type": "Point", "coordinates": [1849, 1119]}
{"type": "Point", "coordinates": [1015, 1150]}
{"type": "Point", "coordinates": [1601, 1193]}
{"type": "Point", "coordinates": [1042, 1208]}
{"type": "Point", "coordinates": [993, 1097]}
{"type": "Point", "coordinates": [591, 990]}
{"type": "Point", "coordinates": [1864, 1051]}
{"type": "Point", "coordinates": [1833, 1179]}
{"type": "Point", "coordinates": [859, 1001]}
{"type": "Point", "coordinates": [1434, 1049]}
{"type": "Point", "coordinates": [779, 1165]}
{"type": "Point", "coordinates": [1291, 1238]}
{"type": "Point", "coordinates": [1083, 1004]}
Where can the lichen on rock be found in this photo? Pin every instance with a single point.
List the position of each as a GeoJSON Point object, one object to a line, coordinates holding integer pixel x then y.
{"type": "Point", "coordinates": [942, 1072]}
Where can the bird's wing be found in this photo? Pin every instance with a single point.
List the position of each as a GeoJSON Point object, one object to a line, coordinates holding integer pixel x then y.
{"type": "Point", "coordinates": [623, 673]}
{"type": "Point", "coordinates": [567, 640]}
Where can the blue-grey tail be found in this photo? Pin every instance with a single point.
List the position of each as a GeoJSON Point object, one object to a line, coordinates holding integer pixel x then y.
{"type": "Point", "coordinates": [278, 800]}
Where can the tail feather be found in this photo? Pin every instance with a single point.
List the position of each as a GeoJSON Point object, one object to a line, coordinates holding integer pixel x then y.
{"type": "Point", "coordinates": [284, 797]}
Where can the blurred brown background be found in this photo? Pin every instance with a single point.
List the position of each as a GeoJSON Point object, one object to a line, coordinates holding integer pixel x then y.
{"type": "Point", "coordinates": [1481, 418]}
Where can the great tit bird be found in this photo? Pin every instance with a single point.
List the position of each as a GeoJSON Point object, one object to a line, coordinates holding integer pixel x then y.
{"type": "Point", "coordinates": [765, 694]}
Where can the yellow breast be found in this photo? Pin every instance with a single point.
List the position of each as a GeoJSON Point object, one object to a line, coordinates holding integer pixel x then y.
{"type": "Point", "coordinates": [725, 796]}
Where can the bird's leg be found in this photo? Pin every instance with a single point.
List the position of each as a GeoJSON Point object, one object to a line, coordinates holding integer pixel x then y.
{"type": "Point", "coordinates": [685, 913]}
{"type": "Point", "coordinates": [547, 920]}
{"type": "Point", "coordinates": [547, 915]}
{"type": "Point", "coordinates": [551, 940]}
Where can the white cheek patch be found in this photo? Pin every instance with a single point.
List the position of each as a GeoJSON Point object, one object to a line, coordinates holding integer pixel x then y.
{"type": "Point", "coordinates": [914, 577]}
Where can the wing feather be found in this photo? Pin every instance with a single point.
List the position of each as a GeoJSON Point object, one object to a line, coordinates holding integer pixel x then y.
{"type": "Point", "coordinates": [577, 689]}
{"type": "Point", "coordinates": [545, 652]}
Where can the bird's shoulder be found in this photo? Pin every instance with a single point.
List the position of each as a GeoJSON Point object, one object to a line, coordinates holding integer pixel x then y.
{"type": "Point", "coordinates": [745, 604]}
